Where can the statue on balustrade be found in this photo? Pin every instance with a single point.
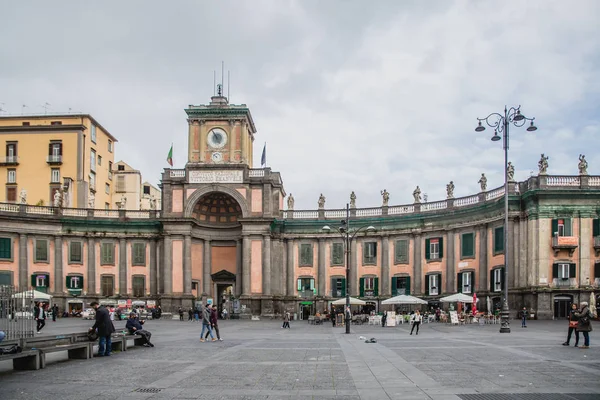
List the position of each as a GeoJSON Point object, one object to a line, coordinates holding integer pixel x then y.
{"type": "Point", "coordinates": [450, 190]}
{"type": "Point", "coordinates": [321, 201]}
{"type": "Point", "coordinates": [483, 182]}
{"type": "Point", "coordinates": [386, 197]}
{"type": "Point", "coordinates": [57, 199]}
{"type": "Point", "coordinates": [543, 164]}
{"type": "Point", "coordinates": [152, 203]}
{"type": "Point", "coordinates": [91, 200]}
{"type": "Point", "coordinates": [290, 202]}
{"type": "Point", "coordinates": [510, 172]}
{"type": "Point", "coordinates": [583, 165]}
{"type": "Point", "coordinates": [23, 196]}
{"type": "Point", "coordinates": [417, 195]}
{"type": "Point", "coordinates": [123, 203]}
{"type": "Point", "coordinates": [352, 200]}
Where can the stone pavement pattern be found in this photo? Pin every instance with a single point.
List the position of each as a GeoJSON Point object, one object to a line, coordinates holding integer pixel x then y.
{"type": "Point", "coordinates": [259, 360]}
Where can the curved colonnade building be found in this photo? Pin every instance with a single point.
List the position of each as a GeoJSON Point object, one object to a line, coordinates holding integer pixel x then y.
{"type": "Point", "coordinates": [222, 233]}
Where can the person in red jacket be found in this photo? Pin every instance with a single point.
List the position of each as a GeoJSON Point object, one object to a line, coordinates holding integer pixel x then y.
{"type": "Point", "coordinates": [214, 321]}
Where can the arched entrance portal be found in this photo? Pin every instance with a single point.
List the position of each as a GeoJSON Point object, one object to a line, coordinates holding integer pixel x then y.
{"type": "Point", "coordinates": [217, 208]}
{"type": "Point", "coordinates": [562, 305]}
{"type": "Point", "coordinates": [224, 286]}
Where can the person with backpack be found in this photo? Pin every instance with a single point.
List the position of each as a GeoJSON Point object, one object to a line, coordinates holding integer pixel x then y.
{"type": "Point", "coordinates": [572, 326]}
{"type": "Point", "coordinates": [584, 324]}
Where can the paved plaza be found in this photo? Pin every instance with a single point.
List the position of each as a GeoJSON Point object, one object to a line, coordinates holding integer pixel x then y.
{"type": "Point", "coordinates": [259, 360]}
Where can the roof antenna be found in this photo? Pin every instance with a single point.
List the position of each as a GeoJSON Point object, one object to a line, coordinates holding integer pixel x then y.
{"type": "Point", "coordinates": [214, 82]}
{"type": "Point", "coordinates": [222, 73]}
{"type": "Point", "coordinates": [229, 86]}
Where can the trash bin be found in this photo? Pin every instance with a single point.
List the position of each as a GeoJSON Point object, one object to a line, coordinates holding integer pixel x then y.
{"type": "Point", "coordinates": [295, 316]}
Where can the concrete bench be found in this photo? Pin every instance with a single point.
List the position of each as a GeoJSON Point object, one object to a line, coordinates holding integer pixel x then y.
{"type": "Point", "coordinates": [137, 339]}
{"type": "Point", "coordinates": [26, 360]}
{"type": "Point", "coordinates": [76, 351]}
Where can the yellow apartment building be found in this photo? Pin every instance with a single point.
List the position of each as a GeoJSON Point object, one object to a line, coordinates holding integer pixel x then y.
{"type": "Point", "coordinates": [44, 154]}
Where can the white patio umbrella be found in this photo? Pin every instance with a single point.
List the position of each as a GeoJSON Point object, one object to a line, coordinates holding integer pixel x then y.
{"type": "Point", "coordinates": [456, 298]}
{"type": "Point", "coordinates": [353, 302]}
{"type": "Point", "coordinates": [32, 294]}
{"type": "Point", "coordinates": [404, 299]}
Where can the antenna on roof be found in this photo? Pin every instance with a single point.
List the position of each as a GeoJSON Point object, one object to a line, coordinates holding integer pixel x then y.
{"type": "Point", "coordinates": [45, 107]}
{"type": "Point", "coordinates": [229, 86]}
{"type": "Point", "coordinates": [222, 73]}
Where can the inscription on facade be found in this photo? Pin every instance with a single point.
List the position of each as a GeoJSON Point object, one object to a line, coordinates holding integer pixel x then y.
{"type": "Point", "coordinates": [219, 176]}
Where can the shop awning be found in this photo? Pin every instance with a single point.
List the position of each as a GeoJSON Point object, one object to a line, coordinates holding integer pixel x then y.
{"type": "Point", "coordinates": [306, 303]}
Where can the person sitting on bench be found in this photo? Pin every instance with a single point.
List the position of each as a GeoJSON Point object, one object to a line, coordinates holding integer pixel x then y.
{"type": "Point", "coordinates": [134, 326]}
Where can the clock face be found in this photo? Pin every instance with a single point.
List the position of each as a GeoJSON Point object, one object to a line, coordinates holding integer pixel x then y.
{"type": "Point", "coordinates": [217, 157]}
{"type": "Point", "coordinates": [217, 138]}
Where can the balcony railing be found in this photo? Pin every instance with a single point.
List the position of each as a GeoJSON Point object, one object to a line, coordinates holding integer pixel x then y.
{"type": "Point", "coordinates": [564, 283]}
{"type": "Point", "coordinates": [177, 173]}
{"type": "Point", "coordinates": [54, 159]}
{"type": "Point", "coordinates": [9, 160]}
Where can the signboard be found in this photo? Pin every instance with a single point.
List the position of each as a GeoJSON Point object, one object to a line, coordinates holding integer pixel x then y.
{"type": "Point", "coordinates": [568, 241]}
{"type": "Point", "coordinates": [151, 303]}
{"type": "Point", "coordinates": [454, 317]}
{"type": "Point", "coordinates": [391, 318]}
{"type": "Point", "coordinates": [209, 301]}
{"type": "Point", "coordinates": [369, 293]}
{"type": "Point", "coordinates": [122, 303]}
{"type": "Point", "coordinates": [216, 176]}
{"type": "Point", "coordinates": [463, 264]}
{"type": "Point", "coordinates": [128, 303]}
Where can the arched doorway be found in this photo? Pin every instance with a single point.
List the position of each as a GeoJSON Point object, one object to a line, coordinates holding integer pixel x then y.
{"type": "Point", "coordinates": [217, 208]}
{"type": "Point", "coordinates": [562, 305]}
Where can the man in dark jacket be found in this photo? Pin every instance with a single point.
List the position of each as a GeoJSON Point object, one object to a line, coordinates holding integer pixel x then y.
{"type": "Point", "coordinates": [584, 323]}
{"type": "Point", "coordinates": [40, 316]}
{"type": "Point", "coordinates": [214, 322]}
{"type": "Point", "coordinates": [134, 326]}
{"type": "Point", "coordinates": [105, 329]}
{"type": "Point", "coordinates": [206, 323]}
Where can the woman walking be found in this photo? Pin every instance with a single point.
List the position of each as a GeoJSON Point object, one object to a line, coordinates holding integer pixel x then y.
{"type": "Point", "coordinates": [572, 326]}
{"type": "Point", "coordinates": [584, 324]}
{"type": "Point", "coordinates": [286, 320]}
{"type": "Point", "coordinates": [416, 321]}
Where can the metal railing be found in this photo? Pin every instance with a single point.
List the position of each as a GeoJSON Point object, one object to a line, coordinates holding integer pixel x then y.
{"type": "Point", "coordinates": [16, 312]}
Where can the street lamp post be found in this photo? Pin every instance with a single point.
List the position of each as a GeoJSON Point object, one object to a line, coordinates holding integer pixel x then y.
{"type": "Point", "coordinates": [344, 231]}
{"type": "Point", "coordinates": [501, 123]}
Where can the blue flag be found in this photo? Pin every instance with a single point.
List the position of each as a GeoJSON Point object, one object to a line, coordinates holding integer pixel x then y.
{"type": "Point", "coordinates": [263, 158]}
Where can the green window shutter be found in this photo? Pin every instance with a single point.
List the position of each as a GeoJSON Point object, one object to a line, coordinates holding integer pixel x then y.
{"type": "Point", "coordinates": [491, 280]}
{"type": "Point", "coordinates": [473, 282]}
{"type": "Point", "coordinates": [426, 285]}
{"type": "Point", "coordinates": [68, 282]}
{"type": "Point", "coordinates": [441, 248]}
{"type": "Point", "coordinates": [33, 282]}
{"type": "Point", "coordinates": [572, 271]}
{"type": "Point", "coordinates": [333, 287]}
{"type": "Point", "coordinates": [5, 248]}
{"type": "Point", "coordinates": [343, 287]}
{"type": "Point", "coordinates": [5, 278]}
{"type": "Point", "coordinates": [499, 240]}
{"type": "Point", "coordinates": [395, 286]}
{"type": "Point", "coordinates": [554, 271]}
{"type": "Point", "coordinates": [595, 229]}
{"type": "Point", "coordinates": [502, 278]}
{"type": "Point", "coordinates": [376, 286]}
{"type": "Point", "coordinates": [459, 282]}
{"type": "Point", "coordinates": [408, 285]}
{"type": "Point", "coordinates": [554, 227]}
{"type": "Point", "coordinates": [568, 227]}
{"type": "Point", "coordinates": [467, 249]}
{"type": "Point", "coordinates": [597, 270]}
{"type": "Point", "coordinates": [401, 251]}
{"type": "Point", "coordinates": [427, 250]}
{"type": "Point", "coordinates": [362, 287]}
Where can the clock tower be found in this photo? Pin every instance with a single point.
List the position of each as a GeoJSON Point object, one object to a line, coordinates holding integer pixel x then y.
{"type": "Point", "coordinates": [220, 133]}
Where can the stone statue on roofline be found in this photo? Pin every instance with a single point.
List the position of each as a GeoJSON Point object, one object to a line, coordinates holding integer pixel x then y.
{"type": "Point", "coordinates": [543, 164]}
{"type": "Point", "coordinates": [57, 199]}
{"type": "Point", "coordinates": [450, 190]}
{"type": "Point", "coordinates": [123, 203]}
{"type": "Point", "coordinates": [91, 200]}
{"type": "Point", "coordinates": [510, 172]}
{"type": "Point", "coordinates": [483, 183]}
{"type": "Point", "coordinates": [583, 165]}
{"type": "Point", "coordinates": [417, 195]}
{"type": "Point", "coordinates": [352, 200]}
{"type": "Point", "coordinates": [23, 196]}
{"type": "Point", "coordinates": [386, 197]}
{"type": "Point", "coordinates": [321, 201]}
{"type": "Point", "coordinates": [290, 202]}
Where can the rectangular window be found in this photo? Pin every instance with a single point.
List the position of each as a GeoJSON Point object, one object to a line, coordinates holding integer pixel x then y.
{"type": "Point", "coordinates": [110, 146]}
{"type": "Point", "coordinates": [434, 285]}
{"type": "Point", "coordinates": [5, 278]}
{"type": "Point", "coordinates": [41, 250]}
{"type": "Point", "coordinates": [401, 252]}
{"type": "Point", "coordinates": [370, 253]}
{"type": "Point", "coordinates": [337, 254]}
{"type": "Point", "coordinates": [466, 282]}
{"type": "Point", "coordinates": [75, 252]}
{"type": "Point", "coordinates": [55, 122]}
{"type": "Point", "coordinates": [99, 160]}
{"type": "Point", "coordinates": [146, 189]}
{"type": "Point", "coordinates": [120, 184]}
{"type": "Point", "coordinates": [563, 271]}
{"type": "Point", "coordinates": [400, 285]}
{"type": "Point", "coordinates": [107, 285]}
{"type": "Point", "coordinates": [306, 284]}
{"type": "Point", "coordinates": [106, 206]}
{"type": "Point", "coordinates": [55, 150]}
{"type": "Point", "coordinates": [40, 281]}
{"type": "Point", "coordinates": [139, 286]}
{"type": "Point", "coordinates": [11, 176]}
{"type": "Point", "coordinates": [120, 168]}
{"type": "Point", "coordinates": [562, 227]}
{"type": "Point", "coordinates": [5, 249]}
{"type": "Point", "coordinates": [93, 133]}
{"type": "Point", "coordinates": [139, 254]}
{"type": "Point", "coordinates": [369, 283]}
{"type": "Point", "coordinates": [338, 287]}
{"type": "Point", "coordinates": [306, 255]}
{"type": "Point", "coordinates": [107, 253]}
{"type": "Point", "coordinates": [110, 167]}
{"type": "Point", "coordinates": [107, 188]}
{"type": "Point", "coordinates": [596, 227]}
{"type": "Point", "coordinates": [55, 175]}
{"type": "Point", "coordinates": [74, 282]}
{"type": "Point", "coordinates": [499, 240]}
{"type": "Point", "coordinates": [93, 160]}
{"type": "Point", "coordinates": [467, 245]}
{"type": "Point", "coordinates": [498, 277]}
{"type": "Point", "coordinates": [11, 194]}
{"type": "Point", "coordinates": [11, 152]}
{"type": "Point", "coordinates": [369, 287]}
{"type": "Point", "coordinates": [434, 249]}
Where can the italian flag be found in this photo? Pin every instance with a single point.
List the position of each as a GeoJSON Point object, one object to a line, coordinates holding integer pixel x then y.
{"type": "Point", "coordinates": [170, 156]}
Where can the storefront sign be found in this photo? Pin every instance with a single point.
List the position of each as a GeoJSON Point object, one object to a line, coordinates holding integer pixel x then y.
{"type": "Point", "coordinates": [151, 303]}
{"type": "Point", "coordinates": [128, 303]}
{"type": "Point", "coordinates": [454, 317]}
{"type": "Point", "coordinates": [122, 303]}
{"type": "Point", "coordinates": [216, 176]}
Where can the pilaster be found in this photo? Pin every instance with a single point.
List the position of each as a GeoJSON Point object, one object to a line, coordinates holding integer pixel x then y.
{"type": "Point", "coordinates": [91, 266]}
{"type": "Point", "coordinates": [353, 284]}
{"type": "Point", "coordinates": [58, 265]}
{"type": "Point", "coordinates": [290, 267]}
{"type": "Point", "coordinates": [385, 287]}
{"type": "Point", "coordinates": [417, 270]}
{"type": "Point", "coordinates": [322, 269]}
{"type": "Point", "coordinates": [123, 267]}
{"type": "Point", "coordinates": [167, 270]}
{"type": "Point", "coordinates": [451, 263]}
{"type": "Point", "coordinates": [23, 262]}
{"type": "Point", "coordinates": [152, 272]}
{"type": "Point", "coordinates": [187, 265]}
{"type": "Point", "coordinates": [246, 266]}
{"type": "Point", "coordinates": [585, 250]}
{"type": "Point", "coordinates": [206, 268]}
{"type": "Point", "coordinates": [238, 268]}
{"type": "Point", "coordinates": [266, 265]}
{"type": "Point", "coordinates": [483, 272]}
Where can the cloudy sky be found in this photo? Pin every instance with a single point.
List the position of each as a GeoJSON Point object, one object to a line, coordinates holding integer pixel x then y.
{"type": "Point", "coordinates": [349, 95]}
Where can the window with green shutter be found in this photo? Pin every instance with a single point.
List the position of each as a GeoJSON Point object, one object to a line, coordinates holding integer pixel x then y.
{"type": "Point", "coordinates": [306, 255]}
{"type": "Point", "coordinates": [139, 286]}
{"type": "Point", "coordinates": [401, 251]}
{"type": "Point", "coordinates": [369, 253]}
{"type": "Point", "coordinates": [74, 282]}
{"type": "Point", "coordinates": [139, 254]}
{"type": "Point", "coordinates": [75, 252]}
{"type": "Point", "coordinates": [595, 228]}
{"type": "Point", "coordinates": [107, 253]}
{"type": "Point", "coordinates": [467, 249]}
{"type": "Point", "coordinates": [337, 254]}
{"type": "Point", "coordinates": [41, 250]}
{"type": "Point", "coordinates": [5, 249]}
{"type": "Point", "coordinates": [499, 240]}
{"type": "Point", "coordinates": [434, 248]}
{"type": "Point", "coordinates": [5, 278]}
{"type": "Point", "coordinates": [400, 285]}
{"type": "Point", "coordinates": [338, 287]}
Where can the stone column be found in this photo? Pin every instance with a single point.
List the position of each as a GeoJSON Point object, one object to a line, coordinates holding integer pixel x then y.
{"type": "Point", "coordinates": [232, 140]}
{"type": "Point", "coordinates": [353, 284]}
{"type": "Point", "coordinates": [290, 268]}
{"type": "Point", "coordinates": [266, 265]}
{"type": "Point", "coordinates": [283, 263]}
{"type": "Point", "coordinates": [91, 266]}
{"type": "Point", "coordinates": [523, 246]}
{"type": "Point", "coordinates": [167, 269]}
{"type": "Point", "coordinates": [206, 268]}
{"type": "Point", "coordinates": [122, 267]}
{"type": "Point", "coordinates": [238, 267]}
{"type": "Point", "coordinates": [483, 272]}
{"type": "Point", "coordinates": [451, 263]}
{"type": "Point", "coordinates": [585, 250]}
{"type": "Point", "coordinates": [531, 252]}
{"type": "Point", "coordinates": [246, 249]}
{"type": "Point", "coordinates": [417, 270]}
{"type": "Point", "coordinates": [514, 254]}
{"type": "Point", "coordinates": [267, 200]}
{"type": "Point", "coordinates": [385, 287]}
{"type": "Point", "coordinates": [58, 265]}
{"type": "Point", "coordinates": [187, 265]}
{"type": "Point", "coordinates": [243, 143]}
{"type": "Point", "coordinates": [153, 277]}
{"type": "Point", "coordinates": [23, 262]}
{"type": "Point", "coordinates": [322, 269]}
